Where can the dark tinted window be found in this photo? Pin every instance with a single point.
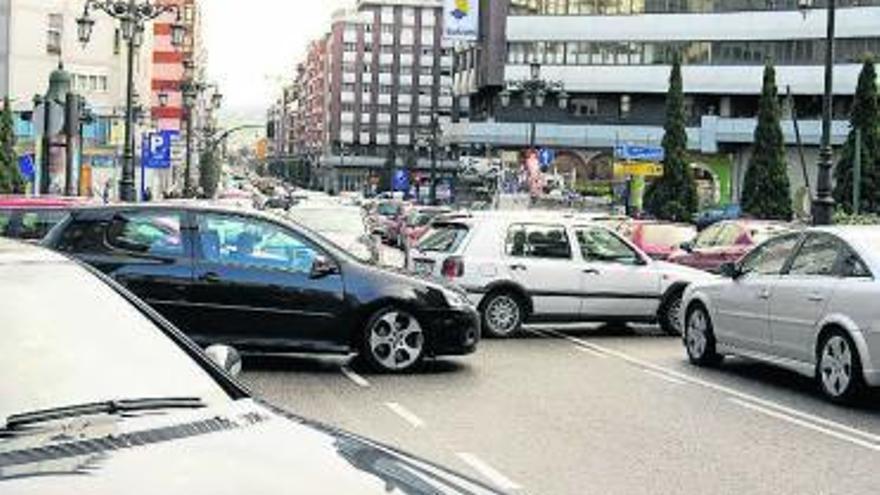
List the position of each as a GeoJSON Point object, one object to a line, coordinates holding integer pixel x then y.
{"type": "Point", "coordinates": [34, 225]}
{"type": "Point", "coordinates": [538, 241]}
{"type": "Point", "coordinates": [155, 233]}
{"type": "Point", "coordinates": [82, 237]}
{"type": "Point", "coordinates": [851, 266]}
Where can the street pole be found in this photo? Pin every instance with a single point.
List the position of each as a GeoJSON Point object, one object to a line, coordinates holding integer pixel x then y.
{"type": "Point", "coordinates": [432, 192]}
{"type": "Point", "coordinates": [187, 169]}
{"type": "Point", "coordinates": [126, 183]}
{"type": "Point", "coordinates": [44, 179]}
{"type": "Point", "coordinates": [823, 207]}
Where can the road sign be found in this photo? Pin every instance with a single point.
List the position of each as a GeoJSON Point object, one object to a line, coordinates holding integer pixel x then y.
{"type": "Point", "coordinates": [641, 153]}
{"type": "Point", "coordinates": [641, 169]}
{"type": "Point", "coordinates": [546, 157]}
{"type": "Point", "coordinates": [27, 167]}
{"type": "Point", "coordinates": [400, 180]}
{"type": "Point", "coordinates": [156, 149]}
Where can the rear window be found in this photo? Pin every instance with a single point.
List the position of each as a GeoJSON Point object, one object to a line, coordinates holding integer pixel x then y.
{"type": "Point", "coordinates": [766, 233]}
{"type": "Point", "coordinates": [443, 238]}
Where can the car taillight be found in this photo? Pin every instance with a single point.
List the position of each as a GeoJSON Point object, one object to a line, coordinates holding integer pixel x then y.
{"type": "Point", "coordinates": [453, 267]}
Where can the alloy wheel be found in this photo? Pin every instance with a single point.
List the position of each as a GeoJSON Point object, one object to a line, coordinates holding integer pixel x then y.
{"type": "Point", "coordinates": [503, 315]}
{"type": "Point", "coordinates": [836, 366]}
{"type": "Point", "coordinates": [396, 340]}
{"type": "Point", "coordinates": [673, 315]}
{"type": "Point", "coordinates": [697, 334]}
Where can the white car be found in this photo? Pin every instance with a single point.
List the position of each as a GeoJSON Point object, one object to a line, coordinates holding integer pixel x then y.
{"type": "Point", "coordinates": [804, 301]}
{"type": "Point", "coordinates": [540, 267]}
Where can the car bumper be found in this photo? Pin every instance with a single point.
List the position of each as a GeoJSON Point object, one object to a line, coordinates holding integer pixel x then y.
{"type": "Point", "coordinates": [871, 358]}
{"type": "Point", "coordinates": [452, 332]}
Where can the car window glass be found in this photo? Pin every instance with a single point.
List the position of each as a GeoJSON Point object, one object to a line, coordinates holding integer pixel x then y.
{"type": "Point", "coordinates": [443, 238]}
{"type": "Point", "coordinates": [538, 241]}
{"type": "Point", "coordinates": [36, 224]}
{"type": "Point", "coordinates": [707, 238]}
{"type": "Point", "coordinates": [156, 233]}
{"type": "Point", "coordinates": [852, 266]}
{"type": "Point", "coordinates": [248, 242]}
{"type": "Point", "coordinates": [770, 257]}
{"type": "Point", "coordinates": [82, 237]}
{"type": "Point", "coordinates": [598, 244]}
{"type": "Point", "coordinates": [5, 220]}
{"type": "Point", "coordinates": [729, 235]}
{"type": "Point", "coordinates": [816, 256]}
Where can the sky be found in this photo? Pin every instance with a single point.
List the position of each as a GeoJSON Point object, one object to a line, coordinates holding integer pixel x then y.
{"type": "Point", "coordinates": [253, 45]}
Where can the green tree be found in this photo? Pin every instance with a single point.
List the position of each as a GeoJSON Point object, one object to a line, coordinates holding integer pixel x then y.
{"type": "Point", "coordinates": [865, 117]}
{"type": "Point", "coordinates": [766, 189]}
{"type": "Point", "coordinates": [209, 173]}
{"type": "Point", "coordinates": [11, 180]}
{"type": "Point", "coordinates": [674, 195]}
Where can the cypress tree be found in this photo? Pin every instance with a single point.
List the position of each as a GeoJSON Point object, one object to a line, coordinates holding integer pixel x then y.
{"type": "Point", "coordinates": [865, 117]}
{"type": "Point", "coordinates": [11, 180]}
{"type": "Point", "coordinates": [209, 173]}
{"type": "Point", "coordinates": [766, 189]}
{"type": "Point", "coordinates": [674, 195]}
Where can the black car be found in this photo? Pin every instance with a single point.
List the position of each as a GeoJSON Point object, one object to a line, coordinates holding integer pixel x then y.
{"type": "Point", "coordinates": [261, 283]}
{"type": "Point", "coordinates": [103, 396]}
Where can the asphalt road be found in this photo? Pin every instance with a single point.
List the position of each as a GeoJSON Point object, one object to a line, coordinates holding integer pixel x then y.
{"type": "Point", "coordinates": [595, 411]}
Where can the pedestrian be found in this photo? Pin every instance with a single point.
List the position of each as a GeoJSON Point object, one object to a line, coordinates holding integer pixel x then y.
{"type": "Point", "coordinates": [148, 195]}
{"type": "Point", "coordinates": [106, 193]}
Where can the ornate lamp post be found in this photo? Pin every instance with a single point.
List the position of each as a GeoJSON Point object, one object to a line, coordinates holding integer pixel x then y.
{"type": "Point", "coordinates": [534, 91]}
{"type": "Point", "coordinates": [823, 206]}
{"type": "Point", "coordinates": [191, 89]}
{"type": "Point", "coordinates": [132, 16]}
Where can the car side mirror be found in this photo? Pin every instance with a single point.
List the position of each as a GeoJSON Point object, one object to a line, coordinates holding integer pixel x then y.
{"type": "Point", "coordinates": [730, 270]}
{"type": "Point", "coordinates": [687, 246]}
{"type": "Point", "coordinates": [322, 267]}
{"type": "Point", "coordinates": [225, 357]}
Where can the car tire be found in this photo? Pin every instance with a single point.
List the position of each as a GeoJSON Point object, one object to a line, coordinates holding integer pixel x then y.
{"type": "Point", "coordinates": [502, 314]}
{"type": "Point", "coordinates": [839, 368]}
{"type": "Point", "coordinates": [393, 341]}
{"type": "Point", "coordinates": [699, 338]}
{"type": "Point", "coordinates": [669, 315]}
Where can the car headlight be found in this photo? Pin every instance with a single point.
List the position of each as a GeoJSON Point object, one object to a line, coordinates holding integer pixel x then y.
{"type": "Point", "coordinates": [456, 299]}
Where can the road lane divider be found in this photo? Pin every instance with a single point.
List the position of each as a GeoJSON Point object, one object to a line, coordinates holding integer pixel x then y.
{"type": "Point", "coordinates": [586, 349]}
{"type": "Point", "coordinates": [494, 476]}
{"type": "Point", "coordinates": [805, 424]}
{"type": "Point", "coordinates": [663, 376]}
{"type": "Point", "coordinates": [869, 438]}
{"type": "Point", "coordinates": [354, 377]}
{"type": "Point", "coordinates": [405, 414]}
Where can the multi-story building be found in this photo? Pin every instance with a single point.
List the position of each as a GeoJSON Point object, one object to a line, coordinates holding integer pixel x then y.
{"type": "Point", "coordinates": [380, 79]}
{"type": "Point", "coordinates": [613, 60]}
{"type": "Point", "coordinates": [4, 47]}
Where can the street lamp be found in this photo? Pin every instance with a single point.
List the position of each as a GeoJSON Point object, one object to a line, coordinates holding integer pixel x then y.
{"type": "Point", "coordinates": [190, 90]}
{"type": "Point", "coordinates": [534, 91]}
{"type": "Point", "coordinates": [823, 206]}
{"type": "Point", "coordinates": [132, 16]}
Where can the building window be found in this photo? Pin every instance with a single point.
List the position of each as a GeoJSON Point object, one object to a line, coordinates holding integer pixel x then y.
{"type": "Point", "coordinates": [586, 107]}
{"type": "Point", "coordinates": [54, 34]}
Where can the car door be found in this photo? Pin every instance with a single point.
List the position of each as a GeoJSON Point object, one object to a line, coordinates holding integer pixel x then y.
{"type": "Point", "coordinates": [148, 252]}
{"type": "Point", "coordinates": [539, 257]}
{"type": "Point", "coordinates": [742, 306]}
{"type": "Point", "coordinates": [799, 297]}
{"type": "Point", "coordinates": [616, 282]}
{"type": "Point", "coordinates": [253, 286]}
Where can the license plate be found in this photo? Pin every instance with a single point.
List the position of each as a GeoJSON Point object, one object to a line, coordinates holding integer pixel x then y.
{"type": "Point", "coordinates": [424, 267]}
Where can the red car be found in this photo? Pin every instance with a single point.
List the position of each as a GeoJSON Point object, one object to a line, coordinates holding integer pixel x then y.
{"type": "Point", "coordinates": [417, 222]}
{"type": "Point", "coordinates": [726, 242]}
{"type": "Point", "coordinates": [660, 239]}
{"type": "Point", "coordinates": [31, 218]}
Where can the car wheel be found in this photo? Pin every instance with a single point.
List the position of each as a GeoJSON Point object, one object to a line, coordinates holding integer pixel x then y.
{"type": "Point", "coordinates": [839, 368]}
{"type": "Point", "coordinates": [393, 341]}
{"type": "Point", "coordinates": [699, 338]}
{"type": "Point", "coordinates": [670, 313]}
{"type": "Point", "coordinates": [503, 314]}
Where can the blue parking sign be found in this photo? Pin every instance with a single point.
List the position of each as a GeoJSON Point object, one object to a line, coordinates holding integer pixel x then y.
{"type": "Point", "coordinates": [156, 149]}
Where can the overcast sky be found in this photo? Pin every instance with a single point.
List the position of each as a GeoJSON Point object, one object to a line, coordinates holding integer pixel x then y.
{"type": "Point", "coordinates": [254, 44]}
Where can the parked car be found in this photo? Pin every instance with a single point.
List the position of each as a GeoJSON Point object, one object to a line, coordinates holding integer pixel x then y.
{"type": "Point", "coordinates": [416, 223]}
{"type": "Point", "coordinates": [345, 225]}
{"type": "Point", "coordinates": [711, 216]}
{"type": "Point", "coordinates": [660, 239]}
{"type": "Point", "coordinates": [261, 283]}
{"type": "Point", "coordinates": [109, 398]}
{"type": "Point", "coordinates": [529, 267]}
{"type": "Point", "coordinates": [803, 301]}
{"type": "Point", "coordinates": [725, 242]}
{"type": "Point", "coordinates": [31, 218]}
{"type": "Point", "coordinates": [387, 215]}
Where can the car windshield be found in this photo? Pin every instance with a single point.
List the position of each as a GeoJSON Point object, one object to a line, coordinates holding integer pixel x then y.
{"type": "Point", "coordinates": [443, 238]}
{"type": "Point", "coordinates": [92, 346]}
{"type": "Point", "coordinates": [667, 235]}
{"type": "Point", "coordinates": [335, 221]}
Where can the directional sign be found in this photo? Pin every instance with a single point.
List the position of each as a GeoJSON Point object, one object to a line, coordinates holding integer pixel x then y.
{"type": "Point", "coordinates": [546, 157]}
{"type": "Point", "coordinates": [400, 180]}
{"type": "Point", "coordinates": [642, 153]}
{"type": "Point", "coordinates": [26, 165]}
{"type": "Point", "coordinates": [643, 169]}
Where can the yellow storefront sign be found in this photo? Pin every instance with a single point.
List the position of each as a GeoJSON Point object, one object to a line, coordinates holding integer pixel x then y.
{"type": "Point", "coordinates": [638, 169]}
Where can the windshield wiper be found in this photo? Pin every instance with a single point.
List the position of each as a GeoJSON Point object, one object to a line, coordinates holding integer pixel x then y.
{"type": "Point", "coordinates": [104, 407]}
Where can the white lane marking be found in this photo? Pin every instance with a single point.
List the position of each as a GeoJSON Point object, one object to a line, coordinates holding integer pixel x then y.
{"type": "Point", "coordinates": [490, 473]}
{"type": "Point", "coordinates": [663, 376]}
{"type": "Point", "coordinates": [357, 379]}
{"type": "Point", "coordinates": [583, 348]}
{"type": "Point", "coordinates": [730, 391]}
{"type": "Point", "coordinates": [406, 414]}
{"type": "Point", "coordinates": [790, 419]}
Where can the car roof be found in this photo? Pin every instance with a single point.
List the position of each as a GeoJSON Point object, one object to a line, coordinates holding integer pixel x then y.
{"type": "Point", "coordinates": [39, 201]}
{"type": "Point", "coordinates": [19, 253]}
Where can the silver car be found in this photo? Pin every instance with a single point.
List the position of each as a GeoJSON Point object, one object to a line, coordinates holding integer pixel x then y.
{"type": "Point", "coordinates": [804, 301]}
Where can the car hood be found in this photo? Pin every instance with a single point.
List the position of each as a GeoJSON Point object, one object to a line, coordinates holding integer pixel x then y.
{"type": "Point", "coordinates": [247, 448]}
{"type": "Point", "coordinates": [681, 273]}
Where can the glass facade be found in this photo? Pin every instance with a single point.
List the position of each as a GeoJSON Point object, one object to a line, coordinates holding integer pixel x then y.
{"type": "Point", "coordinates": [631, 7]}
{"type": "Point", "coordinates": [784, 52]}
